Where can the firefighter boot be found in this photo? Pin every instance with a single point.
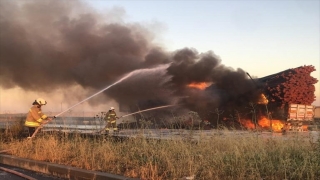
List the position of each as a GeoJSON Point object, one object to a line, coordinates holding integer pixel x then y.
{"type": "Point", "coordinates": [107, 131]}
{"type": "Point", "coordinates": [115, 130]}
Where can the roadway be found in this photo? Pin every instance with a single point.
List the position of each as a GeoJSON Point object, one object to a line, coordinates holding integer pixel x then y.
{"type": "Point", "coordinates": [5, 175]}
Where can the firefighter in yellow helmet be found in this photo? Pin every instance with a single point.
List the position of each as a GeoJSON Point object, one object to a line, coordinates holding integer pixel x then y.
{"type": "Point", "coordinates": [111, 120]}
{"type": "Point", "coordinates": [35, 117]}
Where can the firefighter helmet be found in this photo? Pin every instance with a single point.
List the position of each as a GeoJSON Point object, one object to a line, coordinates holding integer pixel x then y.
{"type": "Point", "coordinates": [41, 101]}
{"type": "Point", "coordinates": [112, 108]}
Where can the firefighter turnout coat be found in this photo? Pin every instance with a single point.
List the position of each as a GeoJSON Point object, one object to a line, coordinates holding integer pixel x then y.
{"type": "Point", "coordinates": [35, 117]}
{"type": "Point", "coordinates": [111, 117]}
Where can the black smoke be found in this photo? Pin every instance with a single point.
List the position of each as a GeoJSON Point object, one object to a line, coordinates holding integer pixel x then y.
{"type": "Point", "coordinates": [49, 44]}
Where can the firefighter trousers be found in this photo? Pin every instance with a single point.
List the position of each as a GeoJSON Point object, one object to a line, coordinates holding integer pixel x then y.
{"type": "Point", "coordinates": [111, 124]}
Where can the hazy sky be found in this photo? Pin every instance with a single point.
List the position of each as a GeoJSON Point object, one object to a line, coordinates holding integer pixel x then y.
{"type": "Point", "coordinates": [260, 36]}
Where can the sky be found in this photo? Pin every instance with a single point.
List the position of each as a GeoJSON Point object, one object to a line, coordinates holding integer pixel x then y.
{"type": "Point", "coordinates": [261, 37]}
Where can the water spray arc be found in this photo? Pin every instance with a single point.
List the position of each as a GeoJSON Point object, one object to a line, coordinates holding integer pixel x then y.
{"type": "Point", "coordinates": [150, 109]}
{"type": "Point", "coordinates": [160, 107]}
{"type": "Point", "coordinates": [125, 77]}
{"type": "Point", "coordinates": [120, 80]}
{"type": "Point", "coordinates": [36, 131]}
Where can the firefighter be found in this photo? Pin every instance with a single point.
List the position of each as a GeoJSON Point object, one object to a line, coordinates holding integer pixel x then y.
{"type": "Point", "coordinates": [35, 117]}
{"type": "Point", "coordinates": [111, 117]}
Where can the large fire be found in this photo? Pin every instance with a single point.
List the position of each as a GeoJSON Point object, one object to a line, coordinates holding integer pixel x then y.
{"type": "Point", "coordinates": [262, 99]}
{"type": "Point", "coordinates": [304, 127]}
{"type": "Point", "coordinates": [276, 124]}
{"type": "Point", "coordinates": [200, 85]}
{"type": "Point", "coordinates": [247, 123]}
{"type": "Point", "coordinates": [264, 122]}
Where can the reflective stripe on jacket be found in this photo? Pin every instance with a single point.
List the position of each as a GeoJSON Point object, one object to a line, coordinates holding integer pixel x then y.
{"type": "Point", "coordinates": [111, 116]}
{"type": "Point", "coordinates": [34, 117]}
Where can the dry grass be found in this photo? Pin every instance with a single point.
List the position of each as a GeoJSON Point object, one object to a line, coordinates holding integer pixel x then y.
{"type": "Point", "coordinates": [215, 157]}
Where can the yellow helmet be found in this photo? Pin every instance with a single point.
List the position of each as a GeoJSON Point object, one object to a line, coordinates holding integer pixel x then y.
{"type": "Point", "coordinates": [41, 101]}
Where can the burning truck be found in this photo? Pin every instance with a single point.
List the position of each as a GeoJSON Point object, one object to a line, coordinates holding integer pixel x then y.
{"type": "Point", "coordinates": [283, 103]}
{"type": "Point", "coordinates": [278, 102]}
{"type": "Point", "coordinates": [291, 93]}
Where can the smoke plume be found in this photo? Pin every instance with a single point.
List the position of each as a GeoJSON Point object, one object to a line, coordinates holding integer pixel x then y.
{"type": "Point", "coordinates": [47, 45]}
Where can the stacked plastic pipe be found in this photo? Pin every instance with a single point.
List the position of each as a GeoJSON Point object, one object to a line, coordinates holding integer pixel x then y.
{"type": "Point", "coordinates": [295, 86]}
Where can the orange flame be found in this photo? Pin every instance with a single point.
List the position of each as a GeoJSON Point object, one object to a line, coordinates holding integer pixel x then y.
{"type": "Point", "coordinates": [305, 127]}
{"type": "Point", "coordinates": [277, 125]}
{"type": "Point", "coordinates": [264, 122]}
{"type": "Point", "coordinates": [247, 123]}
{"type": "Point", "coordinates": [263, 99]}
{"type": "Point", "coordinates": [201, 85]}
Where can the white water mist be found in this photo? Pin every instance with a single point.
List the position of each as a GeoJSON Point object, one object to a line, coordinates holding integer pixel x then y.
{"type": "Point", "coordinates": [135, 72]}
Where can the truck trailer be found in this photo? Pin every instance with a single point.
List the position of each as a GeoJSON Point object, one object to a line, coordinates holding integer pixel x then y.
{"type": "Point", "coordinates": [299, 117]}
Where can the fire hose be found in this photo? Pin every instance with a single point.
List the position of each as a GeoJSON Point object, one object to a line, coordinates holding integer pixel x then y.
{"type": "Point", "coordinates": [159, 107]}
{"type": "Point", "coordinates": [17, 173]}
{"type": "Point", "coordinates": [40, 127]}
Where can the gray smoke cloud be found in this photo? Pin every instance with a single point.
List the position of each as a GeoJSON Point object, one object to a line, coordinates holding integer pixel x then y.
{"type": "Point", "coordinates": [48, 44]}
